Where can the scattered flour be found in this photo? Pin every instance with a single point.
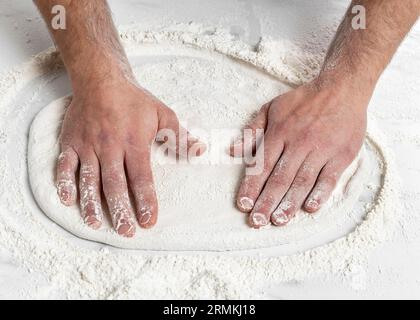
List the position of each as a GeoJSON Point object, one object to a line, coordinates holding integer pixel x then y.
{"type": "Point", "coordinates": [95, 271]}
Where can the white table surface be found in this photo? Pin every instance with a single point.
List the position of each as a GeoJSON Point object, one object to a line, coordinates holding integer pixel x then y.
{"type": "Point", "coordinates": [393, 269]}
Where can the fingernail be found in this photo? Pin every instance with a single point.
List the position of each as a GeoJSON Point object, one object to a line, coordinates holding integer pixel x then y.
{"type": "Point", "coordinates": [259, 219]}
{"type": "Point", "coordinates": [92, 213]}
{"type": "Point", "coordinates": [64, 195]}
{"type": "Point", "coordinates": [200, 148]}
{"type": "Point", "coordinates": [92, 222]}
{"type": "Point", "coordinates": [312, 204]}
{"type": "Point", "coordinates": [125, 227]}
{"type": "Point", "coordinates": [279, 218]}
{"type": "Point", "coordinates": [192, 138]}
{"type": "Point", "coordinates": [66, 192]}
{"type": "Point", "coordinates": [246, 204]}
{"type": "Point", "coordinates": [126, 230]}
{"type": "Point", "coordinates": [145, 218]}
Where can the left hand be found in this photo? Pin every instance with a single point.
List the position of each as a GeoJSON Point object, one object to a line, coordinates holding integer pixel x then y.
{"type": "Point", "coordinates": [311, 135]}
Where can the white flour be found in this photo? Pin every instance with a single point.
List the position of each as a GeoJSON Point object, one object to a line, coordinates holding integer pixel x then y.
{"type": "Point", "coordinates": [85, 271]}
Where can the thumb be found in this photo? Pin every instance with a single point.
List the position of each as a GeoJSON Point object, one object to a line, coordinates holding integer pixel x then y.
{"type": "Point", "coordinates": [247, 143]}
{"type": "Point", "coordinates": [179, 139]}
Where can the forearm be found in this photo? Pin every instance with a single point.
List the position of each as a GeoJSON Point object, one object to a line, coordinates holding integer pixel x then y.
{"type": "Point", "coordinates": [89, 45]}
{"type": "Point", "coordinates": [358, 57]}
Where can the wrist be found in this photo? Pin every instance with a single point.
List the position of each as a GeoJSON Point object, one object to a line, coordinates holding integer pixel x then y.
{"type": "Point", "coordinates": [362, 82]}
{"type": "Point", "coordinates": [100, 75]}
{"type": "Point", "coordinates": [109, 94]}
{"type": "Point", "coordinates": [350, 74]}
{"type": "Point", "coordinates": [359, 83]}
{"type": "Point", "coordinates": [347, 91]}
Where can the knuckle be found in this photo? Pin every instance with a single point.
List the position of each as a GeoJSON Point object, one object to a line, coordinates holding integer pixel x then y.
{"type": "Point", "coordinates": [277, 178]}
{"type": "Point", "coordinates": [268, 167]}
{"type": "Point", "coordinates": [62, 162]}
{"type": "Point", "coordinates": [265, 107]}
{"type": "Point", "coordinates": [65, 140]}
{"type": "Point", "coordinates": [66, 163]}
{"type": "Point", "coordinates": [277, 127]}
{"type": "Point", "coordinates": [250, 187]}
{"type": "Point", "coordinates": [266, 204]}
{"type": "Point", "coordinates": [136, 180]}
{"type": "Point", "coordinates": [139, 180]}
{"type": "Point", "coordinates": [169, 115]}
{"type": "Point", "coordinates": [330, 180]}
{"type": "Point", "coordinates": [279, 183]}
{"type": "Point", "coordinates": [105, 138]}
{"type": "Point", "coordinates": [350, 153]}
{"type": "Point", "coordinates": [302, 180]}
{"type": "Point", "coordinates": [87, 173]}
{"type": "Point", "coordinates": [248, 183]}
{"type": "Point", "coordinates": [276, 103]}
{"type": "Point", "coordinates": [131, 139]}
{"type": "Point", "coordinates": [307, 141]}
{"type": "Point", "coordinates": [113, 175]}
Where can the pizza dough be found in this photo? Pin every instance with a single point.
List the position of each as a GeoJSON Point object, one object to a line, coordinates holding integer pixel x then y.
{"type": "Point", "coordinates": [214, 93]}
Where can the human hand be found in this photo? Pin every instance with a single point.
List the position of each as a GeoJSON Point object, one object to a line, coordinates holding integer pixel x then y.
{"type": "Point", "coordinates": [107, 135]}
{"type": "Point", "coordinates": [311, 135]}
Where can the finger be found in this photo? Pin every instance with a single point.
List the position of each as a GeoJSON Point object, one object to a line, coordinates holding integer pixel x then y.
{"type": "Point", "coordinates": [298, 191]}
{"type": "Point", "coordinates": [179, 139]}
{"type": "Point", "coordinates": [141, 182]}
{"type": "Point", "coordinates": [251, 186]}
{"type": "Point", "coordinates": [90, 192]}
{"type": "Point", "coordinates": [67, 165]}
{"type": "Point", "coordinates": [116, 194]}
{"type": "Point", "coordinates": [248, 142]}
{"type": "Point", "coordinates": [276, 187]}
{"type": "Point", "coordinates": [325, 185]}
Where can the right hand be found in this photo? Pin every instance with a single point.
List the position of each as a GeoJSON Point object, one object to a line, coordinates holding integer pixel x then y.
{"type": "Point", "coordinates": [107, 136]}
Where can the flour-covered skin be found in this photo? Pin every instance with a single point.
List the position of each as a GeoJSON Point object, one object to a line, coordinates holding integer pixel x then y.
{"type": "Point", "coordinates": [90, 190]}
{"type": "Point", "coordinates": [315, 131]}
{"type": "Point", "coordinates": [299, 151]}
{"type": "Point", "coordinates": [112, 130]}
{"type": "Point", "coordinates": [111, 123]}
{"type": "Point", "coordinates": [65, 179]}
